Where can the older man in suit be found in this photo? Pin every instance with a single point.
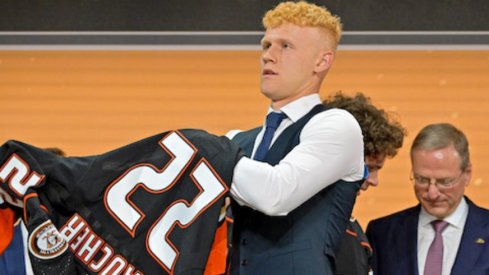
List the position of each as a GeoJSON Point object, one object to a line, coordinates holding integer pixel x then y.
{"type": "Point", "coordinates": [446, 233]}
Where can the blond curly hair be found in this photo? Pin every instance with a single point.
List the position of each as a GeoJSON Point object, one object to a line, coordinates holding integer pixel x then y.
{"type": "Point", "coordinates": [305, 15]}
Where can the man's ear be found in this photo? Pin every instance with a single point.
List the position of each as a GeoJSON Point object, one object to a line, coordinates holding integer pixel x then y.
{"type": "Point", "coordinates": [324, 61]}
{"type": "Point", "coordinates": [468, 171]}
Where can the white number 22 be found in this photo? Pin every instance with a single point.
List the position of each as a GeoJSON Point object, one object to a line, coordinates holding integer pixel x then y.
{"type": "Point", "coordinates": [154, 180]}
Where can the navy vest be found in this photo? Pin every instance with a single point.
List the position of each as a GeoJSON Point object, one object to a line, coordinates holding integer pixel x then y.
{"type": "Point", "coordinates": [305, 240]}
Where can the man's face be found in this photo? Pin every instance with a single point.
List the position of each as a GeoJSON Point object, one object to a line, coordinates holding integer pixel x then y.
{"type": "Point", "coordinates": [374, 164]}
{"type": "Point", "coordinates": [289, 62]}
{"type": "Point", "coordinates": [439, 165]}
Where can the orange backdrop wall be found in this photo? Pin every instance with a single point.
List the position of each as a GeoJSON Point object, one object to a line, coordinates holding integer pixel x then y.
{"type": "Point", "coordinates": [89, 102]}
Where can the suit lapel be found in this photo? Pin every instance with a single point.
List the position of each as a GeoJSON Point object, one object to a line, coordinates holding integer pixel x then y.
{"type": "Point", "coordinates": [413, 241]}
{"type": "Point", "coordinates": [408, 243]}
{"type": "Point", "coordinates": [470, 246]}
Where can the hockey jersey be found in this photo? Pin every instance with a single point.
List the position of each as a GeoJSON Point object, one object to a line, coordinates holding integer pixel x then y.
{"type": "Point", "coordinates": [150, 207]}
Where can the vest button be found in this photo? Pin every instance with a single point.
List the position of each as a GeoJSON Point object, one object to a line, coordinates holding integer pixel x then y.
{"type": "Point", "coordinates": [244, 262]}
{"type": "Point", "coordinates": [244, 241]}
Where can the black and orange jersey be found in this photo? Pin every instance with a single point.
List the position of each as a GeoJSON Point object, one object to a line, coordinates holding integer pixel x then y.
{"type": "Point", "coordinates": [150, 207]}
{"type": "Point", "coordinates": [354, 254]}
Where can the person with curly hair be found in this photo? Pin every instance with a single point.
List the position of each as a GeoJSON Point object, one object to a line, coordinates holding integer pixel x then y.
{"type": "Point", "coordinates": [382, 138]}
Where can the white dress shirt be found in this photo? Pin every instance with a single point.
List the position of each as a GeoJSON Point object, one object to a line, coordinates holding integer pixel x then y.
{"type": "Point", "coordinates": [451, 236]}
{"type": "Point", "coordinates": [27, 259]}
{"type": "Point", "coordinates": [330, 149]}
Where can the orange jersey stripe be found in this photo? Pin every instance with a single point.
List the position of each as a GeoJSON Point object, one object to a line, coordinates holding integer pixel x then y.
{"type": "Point", "coordinates": [351, 233]}
{"type": "Point", "coordinates": [7, 217]}
{"type": "Point", "coordinates": [366, 244]}
{"type": "Point", "coordinates": [216, 263]}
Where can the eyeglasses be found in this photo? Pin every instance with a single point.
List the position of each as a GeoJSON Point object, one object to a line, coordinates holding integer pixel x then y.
{"type": "Point", "coordinates": [440, 183]}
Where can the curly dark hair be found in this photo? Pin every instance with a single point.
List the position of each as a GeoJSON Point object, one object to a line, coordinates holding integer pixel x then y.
{"type": "Point", "coordinates": [381, 134]}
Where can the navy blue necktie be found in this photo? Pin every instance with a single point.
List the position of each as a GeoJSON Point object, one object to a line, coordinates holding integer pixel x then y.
{"type": "Point", "coordinates": [273, 121]}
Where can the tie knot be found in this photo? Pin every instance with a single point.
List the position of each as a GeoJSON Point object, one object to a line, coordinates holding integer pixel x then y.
{"type": "Point", "coordinates": [439, 225]}
{"type": "Point", "coordinates": [274, 119]}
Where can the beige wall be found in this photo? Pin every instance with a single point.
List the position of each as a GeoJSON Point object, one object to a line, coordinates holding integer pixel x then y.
{"type": "Point", "coordinates": [89, 102]}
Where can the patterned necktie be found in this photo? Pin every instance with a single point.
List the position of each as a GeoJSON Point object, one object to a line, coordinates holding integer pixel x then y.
{"type": "Point", "coordinates": [434, 259]}
{"type": "Point", "coordinates": [273, 121]}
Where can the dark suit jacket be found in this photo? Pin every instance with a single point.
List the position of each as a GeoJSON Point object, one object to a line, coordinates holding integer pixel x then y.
{"type": "Point", "coordinates": [394, 242]}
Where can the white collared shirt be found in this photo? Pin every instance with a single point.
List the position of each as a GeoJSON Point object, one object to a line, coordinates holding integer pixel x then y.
{"type": "Point", "coordinates": [330, 149]}
{"type": "Point", "coordinates": [451, 236]}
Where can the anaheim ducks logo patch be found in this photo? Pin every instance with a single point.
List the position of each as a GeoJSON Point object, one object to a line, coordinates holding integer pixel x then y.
{"type": "Point", "coordinates": [46, 242]}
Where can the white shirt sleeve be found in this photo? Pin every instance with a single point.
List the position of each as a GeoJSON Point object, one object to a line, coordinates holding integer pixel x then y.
{"type": "Point", "coordinates": [330, 149]}
{"type": "Point", "coordinates": [27, 259]}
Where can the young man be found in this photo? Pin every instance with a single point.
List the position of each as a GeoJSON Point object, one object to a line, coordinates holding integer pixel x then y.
{"type": "Point", "coordinates": [294, 195]}
{"type": "Point", "coordinates": [446, 233]}
{"type": "Point", "coordinates": [382, 138]}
